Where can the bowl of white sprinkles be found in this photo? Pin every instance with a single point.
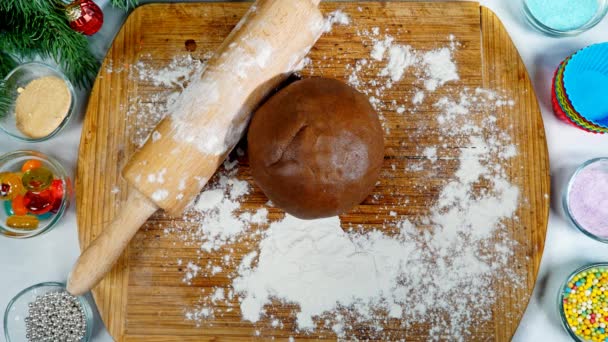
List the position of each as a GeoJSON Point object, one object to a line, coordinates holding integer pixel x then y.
{"type": "Point", "coordinates": [47, 312]}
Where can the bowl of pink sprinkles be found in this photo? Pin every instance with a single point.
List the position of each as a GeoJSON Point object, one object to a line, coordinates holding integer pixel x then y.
{"type": "Point", "coordinates": [586, 199]}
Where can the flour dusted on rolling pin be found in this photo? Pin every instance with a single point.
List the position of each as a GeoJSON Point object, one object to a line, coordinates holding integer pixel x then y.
{"type": "Point", "coordinates": [203, 95]}
{"type": "Point", "coordinates": [210, 116]}
{"type": "Point", "coordinates": [256, 53]}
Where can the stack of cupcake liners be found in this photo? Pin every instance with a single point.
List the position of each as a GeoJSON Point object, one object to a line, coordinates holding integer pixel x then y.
{"type": "Point", "coordinates": [579, 93]}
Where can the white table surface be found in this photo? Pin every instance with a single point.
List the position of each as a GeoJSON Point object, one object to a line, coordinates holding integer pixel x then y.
{"type": "Point", "coordinates": [27, 262]}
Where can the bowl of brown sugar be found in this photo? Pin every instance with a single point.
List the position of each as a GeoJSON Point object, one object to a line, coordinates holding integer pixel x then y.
{"type": "Point", "coordinates": [41, 102]}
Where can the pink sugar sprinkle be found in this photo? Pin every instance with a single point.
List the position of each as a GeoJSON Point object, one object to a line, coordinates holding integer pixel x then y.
{"type": "Point", "coordinates": [588, 199]}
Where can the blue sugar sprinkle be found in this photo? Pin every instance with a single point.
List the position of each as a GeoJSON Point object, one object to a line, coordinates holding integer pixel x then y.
{"type": "Point", "coordinates": [563, 15]}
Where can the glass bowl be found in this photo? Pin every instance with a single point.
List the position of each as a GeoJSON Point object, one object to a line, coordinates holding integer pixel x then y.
{"type": "Point", "coordinates": [13, 163]}
{"type": "Point", "coordinates": [562, 291]}
{"type": "Point", "coordinates": [17, 311]}
{"type": "Point", "coordinates": [602, 9]}
{"type": "Point", "coordinates": [566, 199]}
{"type": "Point", "coordinates": [18, 79]}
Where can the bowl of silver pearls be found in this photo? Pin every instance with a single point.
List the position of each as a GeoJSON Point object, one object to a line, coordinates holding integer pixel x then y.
{"type": "Point", "coordinates": [47, 312]}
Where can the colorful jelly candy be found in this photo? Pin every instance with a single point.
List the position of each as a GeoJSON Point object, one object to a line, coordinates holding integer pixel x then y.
{"type": "Point", "coordinates": [22, 222]}
{"type": "Point", "coordinates": [39, 202]}
{"type": "Point", "coordinates": [8, 209]}
{"type": "Point", "coordinates": [37, 179]}
{"type": "Point", "coordinates": [31, 164]}
{"type": "Point", "coordinates": [10, 186]}
{"type": "Point", "coordinates": [57, 190]}
{"type": "Point", "coordinates": [18, 205]}
{"type": "Point", "coordinates": [4, 189]}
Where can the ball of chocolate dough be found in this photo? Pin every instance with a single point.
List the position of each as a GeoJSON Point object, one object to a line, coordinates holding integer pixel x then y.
{"type": "Point", "coordinates": [316, 148]}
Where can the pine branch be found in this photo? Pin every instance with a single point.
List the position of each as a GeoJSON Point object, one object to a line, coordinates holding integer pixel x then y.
{"type": "Point", "coordinates": [32, 28]}
{"type": "Point", "coordinates": [124, 4]}
{"type": "Point", "coordinates": [5, 99]}
{"type": "Point", "coordinates": [7, 63]}
{"type": "Point", "coordinates": [40, 27]}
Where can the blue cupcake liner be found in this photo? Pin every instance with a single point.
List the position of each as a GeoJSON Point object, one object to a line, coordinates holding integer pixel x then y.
{"type": "Point", "coordinates": [565, 105]}
{"type": "Point", "coordinates": [586, 83]}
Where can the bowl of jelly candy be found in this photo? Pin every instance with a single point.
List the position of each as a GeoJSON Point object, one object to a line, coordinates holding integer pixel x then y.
{"type": "Point", "coordinates": [35, 192]}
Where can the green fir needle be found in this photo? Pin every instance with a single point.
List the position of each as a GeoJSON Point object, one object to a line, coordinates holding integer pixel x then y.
{"type": "Point", "coordinates": [30, 28]}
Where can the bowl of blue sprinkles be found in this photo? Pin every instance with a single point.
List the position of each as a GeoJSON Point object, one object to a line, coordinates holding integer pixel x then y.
{"type": "Point", "coordinates": [562, 18]}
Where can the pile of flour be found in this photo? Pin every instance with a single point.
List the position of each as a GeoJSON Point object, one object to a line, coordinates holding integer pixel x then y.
{"type": "Point", "coordinates": [435, 269]}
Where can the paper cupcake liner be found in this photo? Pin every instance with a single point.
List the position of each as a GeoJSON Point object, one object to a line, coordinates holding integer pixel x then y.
{"type": "Point", "coordinates": [585, 83]}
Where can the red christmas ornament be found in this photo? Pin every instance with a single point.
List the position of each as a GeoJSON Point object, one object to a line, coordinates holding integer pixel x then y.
{"type": "Point", "coordinates": [84, 16]}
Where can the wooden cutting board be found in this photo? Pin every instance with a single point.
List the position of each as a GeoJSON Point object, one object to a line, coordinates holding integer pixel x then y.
{"type": "Point", "coordinates": [143, 298]}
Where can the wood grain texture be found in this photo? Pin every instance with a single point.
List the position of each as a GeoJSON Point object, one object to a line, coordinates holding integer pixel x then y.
{"type": "Point", "coordinates": [256, 57]}
{"type": "Point", "coordinates": [251, 62]}
{"type": "Point", "coordinates": [143, 298]}
{"type": "Point", "coordinates": [103, 252]}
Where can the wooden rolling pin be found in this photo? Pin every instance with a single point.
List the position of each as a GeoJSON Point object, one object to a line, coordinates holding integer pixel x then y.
{"type": "Point", "coordinates": [209, 119]}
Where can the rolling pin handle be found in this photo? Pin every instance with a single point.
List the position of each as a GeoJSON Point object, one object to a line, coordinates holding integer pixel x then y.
{"type": "Point", "coordinates": [104, 251]}
{"type": "Point", "coordinates": [284, 28]}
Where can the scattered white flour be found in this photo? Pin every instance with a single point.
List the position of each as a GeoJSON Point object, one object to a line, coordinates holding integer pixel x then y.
{"type": "Point", "coordinates": [430, 153]}
{"type": "Point", "coordinates": [400, 57]}
{"type": "Point", "coordinates": [439, 68]}
{"type": "Point", "coordinates": [172, 79]}
{"type": "Point", "coordinates": [216, 220]}
{"type": "Point", "coordinates": [328, 261]}
{"type": "Point", "coordinates": [157, 177]}
{"type": "Point", "coordinates": [250, 55]}
{"type": "Point", "coordinates": [200, 314]}
{"type": "Point", "coordinates": [418, 98]}
{"type": "Point", "coordinates": [260, 216]}
{"type": "Point", "coordinates": [306, 61]}
{"type": "Point", "coordinates": [191, 272]}
{"type": "Point", "coordinates": [156, 136]}
{"type": "Point", "coordinates": [160, 195]}
{"type": "Point", "coordinates": [380, 46]}
{"type": "Point", "coordinates": [436, 268]}
{"type": "Point", "coordinates": [209, 199]}
{"type": "Point", "coordinates": [219, 222]}
{"type": "Point", "coordinates": [312, 263]}
{"type": "Point", "coordinates": [179, 71]}
{"type": "Point", "coordinates": [430, 69]}
{"type": "Point", "coordinates": [436, 65]}
{"type": "Point", "coordinates": [218, 295]}
{"type": "Point", "coordinates": [335, 17]}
